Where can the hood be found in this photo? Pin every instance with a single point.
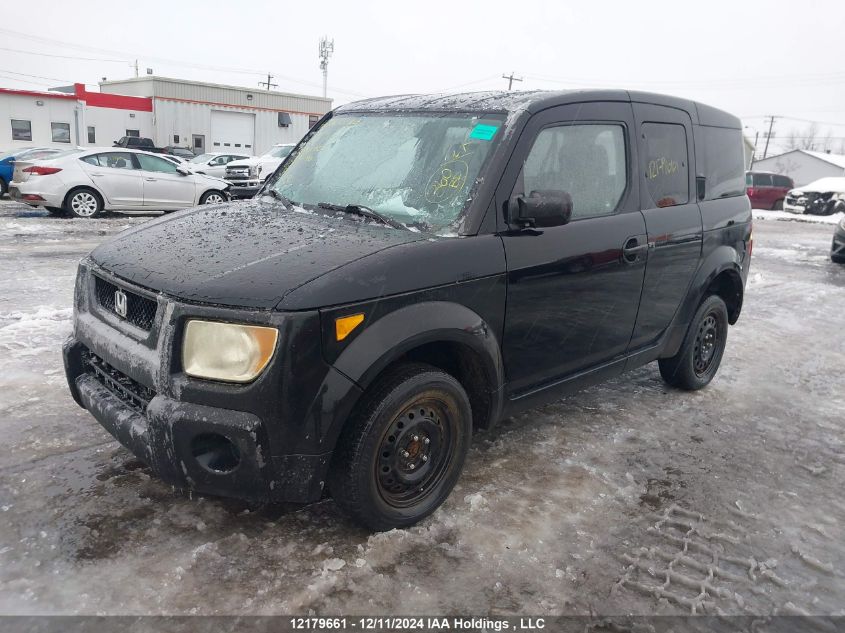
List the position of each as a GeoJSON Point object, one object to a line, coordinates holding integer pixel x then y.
{"type": "Point", "coordinates": [831, 184]}
{"type": "Point", "coordinates": [248, 254]}
{"type": "Point", "coordinates": [244, 162]}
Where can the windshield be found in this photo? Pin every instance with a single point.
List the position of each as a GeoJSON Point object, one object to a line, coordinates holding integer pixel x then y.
{"type": "Point", "coordinates": [202, 158]}
{"type": "Point", "coordinates": [279, 152]}
{"type": "Point", "coordinates": [417, 169]}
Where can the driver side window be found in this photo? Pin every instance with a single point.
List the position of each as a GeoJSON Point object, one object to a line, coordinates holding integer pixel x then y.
{"type": "Point", "coordinates": [587, 161]}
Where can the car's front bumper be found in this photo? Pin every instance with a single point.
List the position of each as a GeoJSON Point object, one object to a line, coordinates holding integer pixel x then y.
{"type": "Point", "coordinates": [243, 191]}
{"type": "Point", "coordinates": [270, 435]}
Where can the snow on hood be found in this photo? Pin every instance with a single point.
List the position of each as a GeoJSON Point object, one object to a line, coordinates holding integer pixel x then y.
{"type": "Point", "coordinates": [247, 254]}
{"type": "Point", "coordinates": [835, 184]}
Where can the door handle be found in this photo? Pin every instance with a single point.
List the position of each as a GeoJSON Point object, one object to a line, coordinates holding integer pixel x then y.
{"type": "Point", "coordinates": [632, 248]}
{"type": "Point", "coordinates": [151, 179]}
{"type": "Point", "coordinates": [97, 175]}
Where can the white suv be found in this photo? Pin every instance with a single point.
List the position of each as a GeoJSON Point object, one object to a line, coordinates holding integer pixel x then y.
{"type": "Point", "coordinates": [247, 176]}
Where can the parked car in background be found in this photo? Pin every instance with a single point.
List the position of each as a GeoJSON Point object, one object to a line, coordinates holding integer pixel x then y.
{"type": "Point", "coordinates": [181, 152]}
{"type": "Point", "coordinates": [824, 196]}
{"type": "Point", "coordinates": [767, 190]}
{"type": "Point", "coordinates": [247, 176]}
{"type": "Point", "coordinates": [456, 265]}
{"type": "Point", "coordinates": [214, 163]}
{"type": "Point", "coordinates": [138, 142]}
{"type": "Point", "coordinates": [7, 162]}
{"type": "Point", "coordinates": [86, 183]}
{"type": "Point", "coordinates": [837, 249]}
{"type": "Point", "coordinates": [176, 160]}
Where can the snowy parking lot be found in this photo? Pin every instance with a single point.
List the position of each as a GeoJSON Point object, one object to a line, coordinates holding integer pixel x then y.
{"type": "Point", "coordinates": [626, 498]}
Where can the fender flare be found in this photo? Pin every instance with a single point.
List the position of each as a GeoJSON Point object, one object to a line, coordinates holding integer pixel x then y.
{"type": "Point", "coordinates": [724, 258]}
{"type": "Point", "coordinates": [396, 333]}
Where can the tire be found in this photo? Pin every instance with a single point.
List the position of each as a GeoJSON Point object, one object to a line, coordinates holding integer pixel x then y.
{"type": "Point", "coordinates": [778, 205]}
{"type": "Point", "coordinates": [84, 203]}
{"type": "Point", "coordinates": [212, 197]}
{"type": "Point", "coordinates": [837, 259]}
{"type": "Point", "coordinates": [57, 211]}
{"type": "Point", "coordinates": [401, 454]}
{"type": "Point", "coordinates": [4, 188]}
{"type": "Point", "coordinates": [697, 362]}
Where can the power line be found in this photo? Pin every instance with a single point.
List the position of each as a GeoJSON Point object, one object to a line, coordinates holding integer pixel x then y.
{"type": "Point", "coordinates": [267, 83]}
{"type": "Point", "coordinates": [12, 72]}
{"type": "Point", "coordinates": [87, 59]}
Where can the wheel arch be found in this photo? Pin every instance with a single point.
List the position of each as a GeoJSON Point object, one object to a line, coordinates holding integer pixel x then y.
{"type": "Point", "coordinates": [446, 335]}
{"type": "Point", "coordinates": [721, 274]}
{"type": "Point", "coordinates": [92, 189]}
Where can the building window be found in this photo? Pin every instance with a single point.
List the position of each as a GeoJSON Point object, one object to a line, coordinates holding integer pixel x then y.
{"type": "Point", "coordinates": [92, 135]}
{"type": "Point", "coordinates": [135, 133]}
{"type": "Point", "coordinates": [175, 138]}
{"type": "Point", "coordinates": [312, 120]}
{"type": "Point", "coordinates": [21, 130]}
{"type": "Point", "coordinates": [60, 132]}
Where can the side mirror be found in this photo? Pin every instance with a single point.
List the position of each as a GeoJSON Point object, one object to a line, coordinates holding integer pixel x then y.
{"type": "Point", "coordinates": [183, 170]}
{"type": "Point", "coordinates": [544, 208]}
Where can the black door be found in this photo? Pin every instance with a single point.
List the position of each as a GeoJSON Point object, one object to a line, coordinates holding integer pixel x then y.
{"type": "Point", "coordinates": [672, 216]}
{"type": "Point", "coordinates": [572, 291]}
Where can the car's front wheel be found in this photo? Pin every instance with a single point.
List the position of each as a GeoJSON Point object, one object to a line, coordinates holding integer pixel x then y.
{"type": "Point", "coordinates": [212, 197]}
{"type": "Point", "coordinates": [778, 205]}
{"type": "Point", "coordinates": [402, 453]}
{"type": "Point", "coordinates": [84, 203]}
{"type": "Point", "coordinates": [697, 362]}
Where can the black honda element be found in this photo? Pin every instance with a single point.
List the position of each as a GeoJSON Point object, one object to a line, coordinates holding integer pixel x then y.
{"type": "Point", "coordinates": [417, 268]}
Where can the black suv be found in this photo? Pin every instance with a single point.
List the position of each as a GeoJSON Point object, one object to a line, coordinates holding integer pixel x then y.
{"type": "Point", "coordinates": [418, 267]}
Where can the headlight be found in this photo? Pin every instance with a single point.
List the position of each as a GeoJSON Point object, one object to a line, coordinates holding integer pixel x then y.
{"type": "Point", "coordinates": [227, 351]}
{"type": "Point", "coordinates": [254, 170]}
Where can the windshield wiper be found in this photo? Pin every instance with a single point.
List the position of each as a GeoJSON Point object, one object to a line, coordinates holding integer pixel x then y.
{"type": "Point", "coordinates": [287, 202]}
{"type": "Point", "coordinates": [367, 212]}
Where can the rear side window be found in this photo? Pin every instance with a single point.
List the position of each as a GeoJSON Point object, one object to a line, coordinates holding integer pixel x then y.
{"type": "Point", "coordinates": [724, 162]}
{"type": "Point", "coordinates": [782, 181]}
{"type": "Point", "coordinates": [666, 166]}
{"type": "Point", "coordinates": [112, 160]}
{"type": "Point", "coordinates": [586, 160]}
{"type": "Point", "coordinates": [762, 180]}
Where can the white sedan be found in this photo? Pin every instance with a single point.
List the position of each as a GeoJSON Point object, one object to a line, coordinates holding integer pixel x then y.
{"type": "Point", "coordinates": [86, 183]}
{"type": "Point", "coordinates": [214, 164]}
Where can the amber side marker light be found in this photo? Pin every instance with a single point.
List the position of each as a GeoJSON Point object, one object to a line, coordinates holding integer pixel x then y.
{"type": "Point", "coordinates": [343, 326]}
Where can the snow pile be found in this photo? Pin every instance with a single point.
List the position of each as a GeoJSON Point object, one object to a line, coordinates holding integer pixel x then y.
{"type": "Point", "coordinates": [762, 214]}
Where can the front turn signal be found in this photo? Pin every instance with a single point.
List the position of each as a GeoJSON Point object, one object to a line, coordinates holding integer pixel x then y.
{"type": "Point", "coordinates": [343, 326]}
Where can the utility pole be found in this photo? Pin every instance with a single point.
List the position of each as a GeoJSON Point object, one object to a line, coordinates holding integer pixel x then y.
{"type": "Point", "coordinates": [136, 67]}
{"type": "Point", "coordinates": [325, 51]}
{"type": "Point", "coordinates": [769, 134]}
{"type": "Point", "coordinates": [511, 78]}
{"type": "Point", "coordinates": [267, 83]}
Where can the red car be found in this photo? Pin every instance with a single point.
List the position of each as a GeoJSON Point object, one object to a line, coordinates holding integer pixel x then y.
{"type": "Point", "coordinates": [767, 190]}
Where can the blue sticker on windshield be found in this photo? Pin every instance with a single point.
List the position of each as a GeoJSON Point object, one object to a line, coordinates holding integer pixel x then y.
{"type": "Point", "coordinates": [484, 132]}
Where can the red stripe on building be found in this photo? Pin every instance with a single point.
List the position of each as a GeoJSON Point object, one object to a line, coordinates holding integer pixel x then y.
{"type": "Point", "coordinates": [118, 102]}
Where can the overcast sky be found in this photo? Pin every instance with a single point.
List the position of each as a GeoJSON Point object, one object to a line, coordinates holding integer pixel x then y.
{"type": "Point", "coordinates": [752, 58]}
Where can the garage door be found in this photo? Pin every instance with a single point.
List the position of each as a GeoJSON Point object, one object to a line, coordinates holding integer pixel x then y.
{"type": "Point", "coordinates": [232, 131]}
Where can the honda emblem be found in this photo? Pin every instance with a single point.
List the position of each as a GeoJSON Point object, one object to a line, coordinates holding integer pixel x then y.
{"type": "Point", "coordinates": [120, 303]}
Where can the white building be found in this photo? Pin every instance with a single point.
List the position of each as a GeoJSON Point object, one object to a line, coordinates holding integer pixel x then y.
{"type": "Point", "coordinates": [803, 166]}
{"type": "Point", "coordinates": [205, 117]}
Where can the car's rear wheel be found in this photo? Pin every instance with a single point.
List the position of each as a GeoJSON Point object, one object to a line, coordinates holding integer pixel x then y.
{"type": "Point", "coordinates": [697, 362]}
{"type": "Point", "coordinates": [84, 203]}
{"type": "Point", "coordinates": [778, 205]}
{"type": "Point", "coordinates": [401, 454]}
{"type": "Point", "coordinates": [212, 197]}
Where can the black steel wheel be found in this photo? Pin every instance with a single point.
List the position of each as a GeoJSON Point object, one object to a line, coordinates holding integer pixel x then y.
{"type": "Point", "coordinates": [700, 355]}
{"type": "Point", "coordinates": [401, 454]}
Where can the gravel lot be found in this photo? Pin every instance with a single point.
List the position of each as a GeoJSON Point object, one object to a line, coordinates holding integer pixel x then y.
{"type": "Point", "coordinates": [627, 498]}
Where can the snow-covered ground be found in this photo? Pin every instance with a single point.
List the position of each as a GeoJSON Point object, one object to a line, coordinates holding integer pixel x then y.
{"type": "Point", "coordinates": [627, 498]}
{"type": "Point", "coordinates": [764, 214]}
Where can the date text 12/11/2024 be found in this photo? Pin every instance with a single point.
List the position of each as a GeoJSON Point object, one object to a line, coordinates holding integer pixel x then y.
{"type": "Point", "coordinates": [392, 623]}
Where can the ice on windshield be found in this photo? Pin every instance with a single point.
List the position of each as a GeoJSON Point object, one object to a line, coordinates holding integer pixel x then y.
{"type": "Point", "coordinates": [419, 169]}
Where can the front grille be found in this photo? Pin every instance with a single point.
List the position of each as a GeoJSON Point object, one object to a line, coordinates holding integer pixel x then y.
{"type": "Point", "coordinates": [140, 310]}
{"type": "Point", "coordinates": [132, 393]}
